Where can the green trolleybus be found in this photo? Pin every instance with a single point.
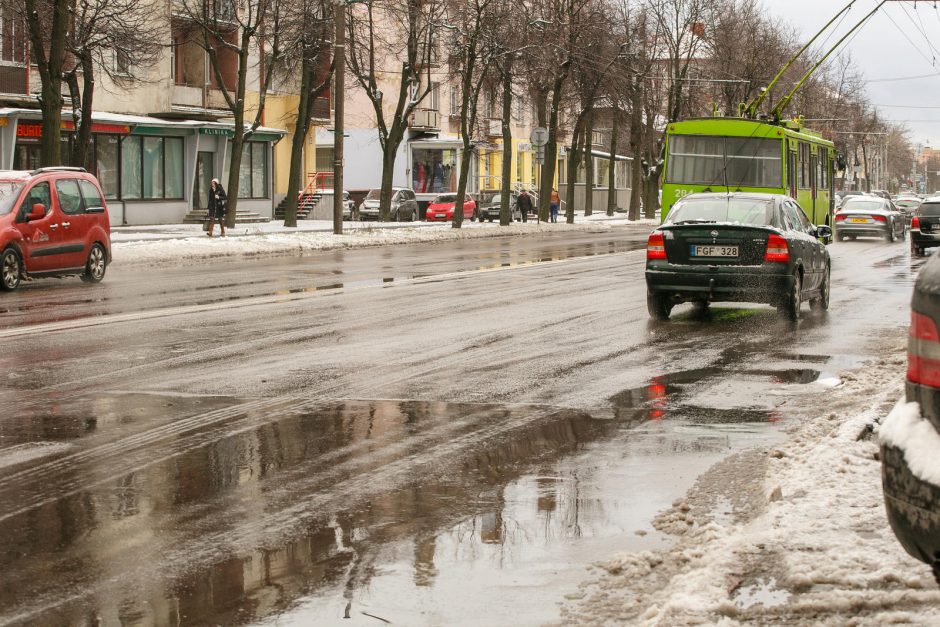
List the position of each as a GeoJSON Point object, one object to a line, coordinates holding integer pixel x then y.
{"type": "Point", "coordinates": [744, 155]}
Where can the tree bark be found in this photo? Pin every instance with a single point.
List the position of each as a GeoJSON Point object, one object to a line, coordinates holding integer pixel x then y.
{"type": "Point", "coordinates": [50, 69]}
{"type": "Point", "coordinates": [238, 140]}
{"type": "Point", "coordinates": [612, 163]}
{"type": "Point", "coordinates": [301, 125]}
{"type": "Point", "coordinates": [588, 166]}
{"type": "Point", "coordinates": [505, 197]}
{"type": "Point", "coordinates": [81, 153]}
{"type": "Point", "coordinates": [573, 161]}
{"type": "Point", "coordinates": [551, 153]}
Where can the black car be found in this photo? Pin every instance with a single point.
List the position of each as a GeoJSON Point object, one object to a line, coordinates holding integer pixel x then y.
{"type": "Point", "coordinates": [870, 216]}
{"type": "Point", "coordinates": [925, 226]}
{"type": "Point", "coordinates": [910, 436]}
{"type": "Point", "coordinates": [489, 205]}
{"type": "Point", "coordinates": [737, 247]}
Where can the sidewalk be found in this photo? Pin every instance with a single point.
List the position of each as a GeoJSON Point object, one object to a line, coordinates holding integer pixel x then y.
{"type": "Point", "coordinates": [175, 244]}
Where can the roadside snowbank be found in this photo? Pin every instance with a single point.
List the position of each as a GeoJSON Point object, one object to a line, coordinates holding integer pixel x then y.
{"type": "Point", "coordinates": [815, 548]}
{"type": "Point", "coordinates": [258, 241]}
{"type": "Point", "coordinates": [905, 429]}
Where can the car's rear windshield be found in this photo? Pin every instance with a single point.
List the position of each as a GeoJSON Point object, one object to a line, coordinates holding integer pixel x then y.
{"type": "Point", "coordinates": [445, 198]}
{"type": "Point", "coordinates": [753, 211]}
{"type": "Point", "coordinates": [907, 202]}
{"type": "Point", "coordinates": [9, 192]}
{"type": "Point", "coordinates": [929, 209]}
{"type": "Point", "coordinates": [864, 205]}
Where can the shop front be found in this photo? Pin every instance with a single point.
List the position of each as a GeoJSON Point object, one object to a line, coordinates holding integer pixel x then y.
{"type": "Point", "coordinates": [152, 171]}
{"type": "Point", "coordinates": [433, 168]}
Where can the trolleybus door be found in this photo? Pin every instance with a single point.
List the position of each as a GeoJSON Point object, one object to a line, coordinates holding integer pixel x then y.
{"type": "Point", "coordinates": [813, 185]}
{"type": "Point", "coordinates": [791, 172]}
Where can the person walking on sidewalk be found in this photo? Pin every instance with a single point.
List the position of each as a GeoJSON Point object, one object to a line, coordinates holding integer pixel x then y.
{"type": "Point", "coordinates": [524, 203]}
{"type": "Point", "coordinates": [217, 200]}
{"type": "Point", "coordinates": [556, 202]}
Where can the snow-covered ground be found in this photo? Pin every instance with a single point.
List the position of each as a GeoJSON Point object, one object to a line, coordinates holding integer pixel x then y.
{"type": "Point", "coordinates": [795, 535]}
{"type": "Point", "coordinates": [180, 243]}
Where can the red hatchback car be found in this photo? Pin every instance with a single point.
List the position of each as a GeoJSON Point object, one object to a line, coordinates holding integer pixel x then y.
{"type": "Point", "coordinates": [53, 222]}
{"type": "Point", "coordinates": [442, 208]}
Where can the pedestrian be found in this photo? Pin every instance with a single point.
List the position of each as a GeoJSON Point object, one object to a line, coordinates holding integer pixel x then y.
{"type": "Point", "coordinates": [217, 200]}
{"type": "Point", "coordinates": [524, 203]}
{"type": "Point", "coordinates": [556, 202]}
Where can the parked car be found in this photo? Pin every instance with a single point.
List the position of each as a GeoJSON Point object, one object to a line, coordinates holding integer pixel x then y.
{"type": "Point", "coordinates": [909, 435]}
{"type": "Point", "coordinates": [442, 208]}
{"type": "Point", "coordinates": [404, 206]}
{"type": "Point", "coordinates": [925, 226]}
{"type": "Point", "coordinates": [53, 222]}
{"type": "Point", "coordinates": [737, 247]}
{"type": "Point", "coordinates": [869, 216]}
{"type": "Point", "coordinates": [349, 207]}
{"type": "Point", "coordinates": [490, 205]}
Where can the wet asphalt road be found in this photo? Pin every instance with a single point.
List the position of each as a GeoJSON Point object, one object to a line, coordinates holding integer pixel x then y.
{"type": "Point", "coordinates": [426, 434]}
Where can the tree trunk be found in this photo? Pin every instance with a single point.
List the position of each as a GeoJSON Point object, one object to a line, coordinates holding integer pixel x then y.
{"type": "Point", "coordinates": [81, 152]}
{"type": "Point", "coordinates": [238, 140]}
{"type": "Point", "coordinates": [297, 145]}
{"type": "Point", "coordinates": [551, 154]}
{"type": "Point", "coordinates": [50, 74]}
{"type": "Point", "coordinates": [466, 154]}
{"type": "Point", "coordinates": [505, 211]}
{"type": "Point", "coordinates": [588, 167]}
{"type": "Point", "coordinates": [612, 163]}
{"type": "Point", "coordinates": [392, 142]}
{"type": "Point", "coordinates": [636, 149]}
{"type": "Point", "coordinates": [573, 161]}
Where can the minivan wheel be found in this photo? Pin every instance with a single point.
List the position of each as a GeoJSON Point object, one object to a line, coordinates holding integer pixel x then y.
{"type": "Point", "coordinates": [10, 269]}
{"type": "Point", "coordinates": [794, 300]}
{"type": "Point", "coordinates": [96, 265]}
{"type": "Point", "coordinates": [659, 305]}
{"type": "Point", "coordinates": [821, 302]}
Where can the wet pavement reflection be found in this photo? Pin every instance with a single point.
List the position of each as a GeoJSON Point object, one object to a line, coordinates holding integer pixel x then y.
{"type": "Point", "coordinates": [311, 511]}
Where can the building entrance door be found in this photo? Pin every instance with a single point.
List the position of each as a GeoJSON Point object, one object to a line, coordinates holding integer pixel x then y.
{"type": "Point", "coordinates": [202, 180]}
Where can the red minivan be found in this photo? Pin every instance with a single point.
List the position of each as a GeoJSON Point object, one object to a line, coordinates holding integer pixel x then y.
{"type": "Point", "coordinates": [53, 222]}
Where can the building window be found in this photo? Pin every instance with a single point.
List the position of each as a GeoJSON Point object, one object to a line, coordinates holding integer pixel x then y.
{"type": "Point", "coordinates": [107, 151]}
{"type": "Point", "coordinates": [121, 62]}
{"type": "Point", "coordinates": [12, 38]}
{"type": "Point", "coordinates": [253, 173]}
{"type": "Point", "coordinates": [435, 96]}
{"type": "Point", "coordinates": [152, 168]}
{"type": "Point", "coordinates": [454, 101]}
{"type": "Point", "coordinates": [601, 172]}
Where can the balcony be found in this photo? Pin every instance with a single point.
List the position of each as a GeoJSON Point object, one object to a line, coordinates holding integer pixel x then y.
{"type": "Point", "coordinates": [189, 96]}
{"type": "Point", "coordinates": [425, 120]}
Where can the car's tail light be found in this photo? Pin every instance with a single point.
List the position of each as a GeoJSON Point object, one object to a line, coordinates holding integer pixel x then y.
{"type": "Point", "coordinates": [915, 223]}
{"type": "Point", "coordinates": [878, 218]}
{"type": "Point", "coordinates": [777, 249]}
{"type": "Point", "coordinates": [923, 351]}
{"type": "Point", "coordinates": [655, 246]}
{"type": "Point", "coordinates": [840, 217]}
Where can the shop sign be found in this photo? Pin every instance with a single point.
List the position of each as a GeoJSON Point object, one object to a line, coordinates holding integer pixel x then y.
{"type": "Point", "coordinates": [34, 131]}
{"type": "Point", "coordinates": [217, 131]}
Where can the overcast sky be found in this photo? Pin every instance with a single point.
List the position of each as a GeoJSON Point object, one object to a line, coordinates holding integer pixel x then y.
{"type": "Point", "coordinates": [892, 45]}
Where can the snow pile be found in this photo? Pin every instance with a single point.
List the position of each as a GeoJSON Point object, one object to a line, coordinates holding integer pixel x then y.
{"type": "Point", "coordinates": [917, 438]}
{"type": "Point", "coordinates": [816, 549]}
{"type": "Point", "coordinates": [200, 247]}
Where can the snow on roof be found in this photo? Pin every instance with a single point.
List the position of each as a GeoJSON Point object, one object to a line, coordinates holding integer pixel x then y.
{"type": "Point", "coordinates": [133, 120]}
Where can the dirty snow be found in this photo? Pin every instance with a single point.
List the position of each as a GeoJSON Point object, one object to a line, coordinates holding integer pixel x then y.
{"type": "Point", "coordinates": [917, 438]}
{"type": "Point", "coordinates": [175, 244]}
{"type": "Point", "coordinates": [808, 541]}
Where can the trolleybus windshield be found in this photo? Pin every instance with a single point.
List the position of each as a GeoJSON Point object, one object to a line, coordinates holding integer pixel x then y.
{"type": "Point", "coordinates": [726, 161]}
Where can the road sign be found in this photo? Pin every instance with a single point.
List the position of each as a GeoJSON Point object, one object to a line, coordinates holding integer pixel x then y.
{"type": "Point", "coordinates": [539, 136]}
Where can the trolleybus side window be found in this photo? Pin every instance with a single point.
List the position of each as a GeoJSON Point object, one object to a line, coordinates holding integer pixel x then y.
{"type": "Point", "coordinates": [804, 166]}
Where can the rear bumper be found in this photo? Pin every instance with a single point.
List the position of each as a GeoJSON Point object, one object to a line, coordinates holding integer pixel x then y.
{"type": "Point", "coordinates": [878, 229]}
{"type": "Point", "coordinates": [924, 240]}
{"type": "Point", "coordinates": [911, 505]}
{"type": "Point", "coordinates": [757, 284]}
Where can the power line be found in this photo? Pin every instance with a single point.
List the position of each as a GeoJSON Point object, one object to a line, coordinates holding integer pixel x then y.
{"type": "Point", "coordinates": [901, 78]}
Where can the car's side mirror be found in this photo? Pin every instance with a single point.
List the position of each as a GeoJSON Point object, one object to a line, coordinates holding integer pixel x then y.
{"type": "Point", "coordinates": [37, 212]}
{"type": "Point", "coordinates": [825, 232]}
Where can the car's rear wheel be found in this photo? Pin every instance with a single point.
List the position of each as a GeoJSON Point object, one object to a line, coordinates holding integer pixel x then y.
{"type": "Point", "coordinates": [821, 302]}
{"type": "Point", "coordinates": [794, 300]}
{"type": "Point", "coordinates": [659, 305]}
{"type": "Point", "coordinates": [10, 270]}
{"type": "Point", "coordinates": [890, 236]}
{"type": "Point", "coordinates": [96, 265]}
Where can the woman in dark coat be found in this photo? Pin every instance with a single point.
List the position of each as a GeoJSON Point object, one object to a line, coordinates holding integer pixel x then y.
{"type": "Point", "coordinates": [217, 199]}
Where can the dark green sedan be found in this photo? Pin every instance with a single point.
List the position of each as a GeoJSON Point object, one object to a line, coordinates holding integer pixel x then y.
{"type": "Point", "coordinates": [743, 247]}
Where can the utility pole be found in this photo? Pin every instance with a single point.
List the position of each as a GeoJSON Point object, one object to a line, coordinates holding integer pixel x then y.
{"type": "Point", "coordinates": [339, 80]}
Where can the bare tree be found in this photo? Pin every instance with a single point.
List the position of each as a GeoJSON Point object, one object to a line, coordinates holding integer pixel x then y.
{"type": "Point", "coordinates": [110, 38]}
{"type": "Point", "coordinates": [232, 31]}
{"type": "Point", "coordinates": [379, 34]}
{"type": "Point", "coordinates": [307, 52]}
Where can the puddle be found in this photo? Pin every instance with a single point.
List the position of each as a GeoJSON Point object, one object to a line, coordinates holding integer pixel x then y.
{"type": "Point", "coordinates": [411, 511]}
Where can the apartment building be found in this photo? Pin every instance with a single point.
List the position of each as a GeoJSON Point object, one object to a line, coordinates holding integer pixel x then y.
{"type": "Point", "coordinates": [158, 142]}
